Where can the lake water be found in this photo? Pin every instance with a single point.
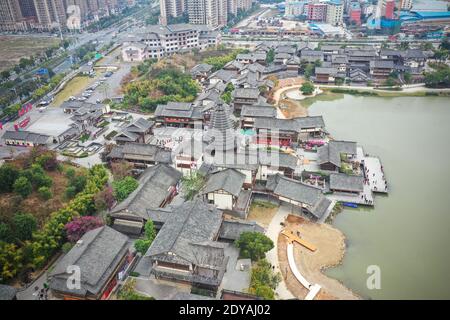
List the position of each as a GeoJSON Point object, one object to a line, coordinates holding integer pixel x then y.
{"type": "Point", "coordinates": [407, 234]}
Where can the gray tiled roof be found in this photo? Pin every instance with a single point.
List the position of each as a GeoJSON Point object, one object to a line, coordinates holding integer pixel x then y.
{"type": "Point", "coordinates": [232, 229]}
{"type": "Point", "coordinates": [201, 68]}
{"type": "Point", "coordinates": [188, 232]}
{"type": "Point", "coordinates": [153, 189]}
{"type": "Point", "coordinates": [325, 70]}
{"type": "Point", "coordinates": [228, 180]}
{"type": "Point", "coordinates": [224, 75]}
{"type": "Point", "coordinates": [296, 124]}
{"type": "Point", "coordinates": [293, 189]}
{"type": "Point", "coordinates": [413, 54]}
{"type": "Point", "coordinates": [385, 64]}
{"type": "Point", "coordinates": [97, 255]}
{"type": "Point", "coordinates": [247, 93]}
{"type": "Point", "coordinates": [26, 136]}
{"type": "Point", "coordinates": [240, 160]}
{"type": "Point", "coordinates": [141, 125]}
{"type": "Point", "coordinates": [7, 292]}
{"type": "Point", "coordinates": [341, 181]}
{"type": "Point", "coordinates": [258, 111]}
{"type": "Point", "coordinates": [277, 159]}
{"type": "Point", "coordinates": [175, 109]}
{"type": "Point", "coordinates": [333, 150]}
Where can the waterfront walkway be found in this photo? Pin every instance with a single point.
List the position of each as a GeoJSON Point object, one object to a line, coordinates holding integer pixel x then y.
{"type": "Point", "coordinates": [373, 171]}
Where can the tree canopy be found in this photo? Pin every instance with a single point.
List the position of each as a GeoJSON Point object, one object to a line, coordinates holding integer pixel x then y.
{"type": "Point", "coordinates": [253, 245]}
{"type": "Point", "coordinates": [307, 88]}
{"type": "Point", "coordinates": [122, 188]}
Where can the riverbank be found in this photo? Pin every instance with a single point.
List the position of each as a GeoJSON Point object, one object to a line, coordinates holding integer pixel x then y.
{"type": "Point", "coordinates": [387, 93]}
{"type": "Point", "coordinates": [330, 243]}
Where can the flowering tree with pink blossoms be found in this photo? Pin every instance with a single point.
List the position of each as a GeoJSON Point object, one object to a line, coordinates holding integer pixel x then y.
{"type": "Point", "coordinates": [79, 226]}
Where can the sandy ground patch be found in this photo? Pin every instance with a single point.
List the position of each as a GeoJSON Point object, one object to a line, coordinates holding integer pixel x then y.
{"type": "Point", "coordinates": [292, 109]}
{"type": "Point", "coordinates": [330, 243]}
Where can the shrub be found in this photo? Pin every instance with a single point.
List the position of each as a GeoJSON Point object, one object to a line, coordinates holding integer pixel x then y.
{"type": "Point", "coordinates": [24, 225]}
{"type": "Point", "coordinates": [45, 193]}
{"type": "Point", "coordinates": [11, 258]}
{"type": "Point", "coordinates": [8, 175]}
{"type": "Point", "coordinates": [22, 186]}
{"type": "Point", "coordinates": [70, 173]}
{"type": "Point", "coordinates": [70, 192]}
{"type": "Point", "coordinates": [142, 245]}
{"type": "Point", "coordinates": [66, 247]}
{"type": "Point", "coordinates": [48, 161]}
{"type": "Point", "coordinates": [104, 200]}
{"type": "Point", "coordinates": [6, 233]}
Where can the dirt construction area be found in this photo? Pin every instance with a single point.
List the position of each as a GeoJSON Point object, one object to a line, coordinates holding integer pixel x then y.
{"type": "Point", "coordinates": [330, 244]}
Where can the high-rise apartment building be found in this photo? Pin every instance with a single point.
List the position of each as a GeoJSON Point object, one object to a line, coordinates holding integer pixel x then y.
{"type": "Point", "coordinates": [354, 13]}
{"type": "Point", "coordinates": [405, 4]}
{"type": "Point", "coordinates": [171, 8]}
{"type": "Point", "coordinates": [50, 14]}
{"type": "Point", "coordinates": [11, 18]}
{"type": "Point", "coordinates": [335, 12]}
{"type": "Point", "coordinates": [213, 13]}
{"type": "Point", "coordinates": [317, 12]}
{"type": "Point", "coordinates": [388, 9]}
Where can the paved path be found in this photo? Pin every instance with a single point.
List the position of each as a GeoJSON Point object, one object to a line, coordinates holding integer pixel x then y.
{"type": "Point", "coordinates": [273, 230]}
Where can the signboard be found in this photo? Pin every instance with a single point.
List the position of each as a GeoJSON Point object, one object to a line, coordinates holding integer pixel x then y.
{"type": "Point", "coordinates": [25, 109]}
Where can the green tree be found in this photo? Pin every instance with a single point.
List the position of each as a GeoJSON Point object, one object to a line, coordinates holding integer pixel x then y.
{"type": "Point", "coordinates": [5, 74]}
{"type": "Point", "coordinates": [270, 56]}
{"type": "Point", "coordinates": [253, 245]}
{"type": "Point", "coordinates": [192, 184]}
{"type": "Point", "coordinates": [390, 82]}
{"type": "Point", "coordinates": [309, 70]}
{"type": "Point", "coordinates": [24, 224]}
{"type": "Point", "coordinates": [307, 88]}
{"type": "Point", "coordinates": [407, 76]}
{"type": "Point", "coordinates": [142, 245]}
{"type": "Point", "coordinates": [11, 258]}
{"type": "Point", "coordinates": [6, 233]}
{"type": "Point", "coordinates": [8, 175]}
{"type": "Point", "coordinates": [122, 188]}
{"type": "Point", "coordinates": [22, 186]}
{"type": "Point", "coordinates": [263, 281]}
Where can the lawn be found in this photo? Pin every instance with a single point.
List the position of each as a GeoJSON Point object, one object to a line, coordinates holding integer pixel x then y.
{"type": "Point", "coordinates": [262, 212]}
{"type": "Point", "coordinates": [74, 87]}
{"type": "Point", "coordinates": [13, 48]}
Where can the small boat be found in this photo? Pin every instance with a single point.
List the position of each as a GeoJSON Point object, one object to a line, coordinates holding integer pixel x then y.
{"type": "Point", "coordinates": [349, 204]}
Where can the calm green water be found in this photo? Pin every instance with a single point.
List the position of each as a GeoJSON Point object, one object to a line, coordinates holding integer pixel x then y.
{"type": "Point", "coordinates": [407, 234]}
